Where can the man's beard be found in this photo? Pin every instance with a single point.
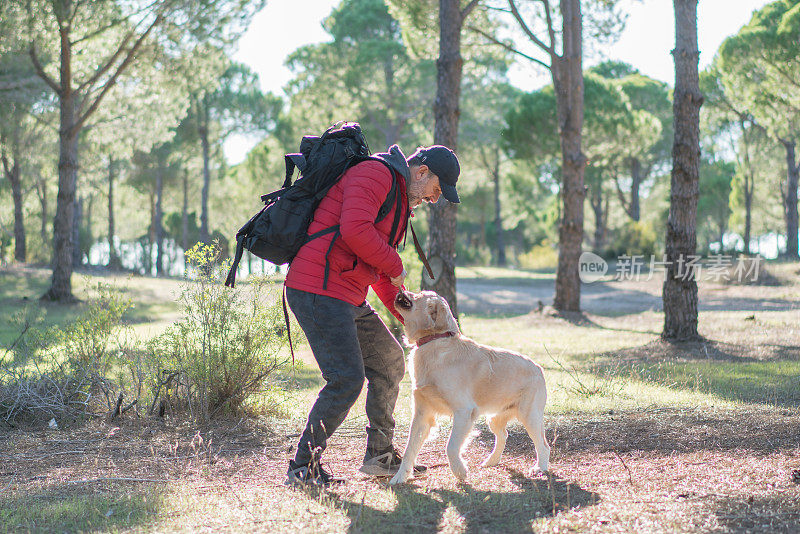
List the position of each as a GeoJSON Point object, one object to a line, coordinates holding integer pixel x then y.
{"type": "Point", "coordinates": [415, 190]}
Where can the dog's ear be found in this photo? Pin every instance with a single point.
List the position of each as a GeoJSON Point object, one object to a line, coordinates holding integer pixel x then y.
{"type": "Point", "coordinates": [440, 315]}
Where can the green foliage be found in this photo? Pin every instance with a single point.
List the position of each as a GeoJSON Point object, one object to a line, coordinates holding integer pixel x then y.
{"type": "Point", "coordinates": [89, 343]}
{"type": "Point", "coordinates": [540, 257]}
{"type": "Point", "coordinates": [62, 370]}
{"type": "Point", "coordinates": [226, 347]}
{"type": "Point", "coordinates": [634, 238]}
{"type": "Point", "coordinates": [366, 75]}
{"type": "Point", "coordinates": [760, 64]}
{"type": "Point", "coordinates": [713, 210]}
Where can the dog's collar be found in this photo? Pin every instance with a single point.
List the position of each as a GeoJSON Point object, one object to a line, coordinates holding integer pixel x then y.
{"type": "Point", "coordinates": [427, 339]}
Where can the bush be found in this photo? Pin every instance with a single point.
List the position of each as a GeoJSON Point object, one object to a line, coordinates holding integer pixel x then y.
{"type": "Point", "coordinates": [540, 257]}
{"type": "Point", "coordinates": [225, 349]}
{"type": "Point", "coordinates": [633, 238]}
{"type": "Point", "coordinates": [61, 371]}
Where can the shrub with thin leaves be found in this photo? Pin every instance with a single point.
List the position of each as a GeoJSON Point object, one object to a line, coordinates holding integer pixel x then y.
{"type": "Point", "coordinates": [226, 347]}
{"type": "Point", "coordinates": [59, 371]}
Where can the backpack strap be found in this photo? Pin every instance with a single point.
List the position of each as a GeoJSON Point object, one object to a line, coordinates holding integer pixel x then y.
{"type": "Point", "coordinates": [286, 318]}
{"type": "Point", "coordinates": [394, 197]}
{"type": "Point", "coordinates": [330, 247]}
{"type": "Point", "coordinates": [394, 237]}
{"type": "Point", "coordinates": [293, 160]}
{"type": "Point", "coordinates": [240, 237]}
{"type": "Point", "coordinates": [231, 279]}
{"type": "Point", "coordinates": [325, 231]}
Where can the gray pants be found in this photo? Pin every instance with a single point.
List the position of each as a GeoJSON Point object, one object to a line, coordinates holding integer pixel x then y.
{"type": "Point", "coordinates": [350, 343]}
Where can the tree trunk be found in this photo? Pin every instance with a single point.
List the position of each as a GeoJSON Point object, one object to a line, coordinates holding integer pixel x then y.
{"type": "Point", "coordinates": [19, 223]}
{"type": "Point", "coordinates": [113, 255]}
{"type": "Point", "coordinates": [206, 184]}
{"type": "Point", "coordinates": [77, 255]}
{"type": "Point", "coordinates": [636, 182]}
{"type": "Point", "coordinates": [148, 256]}
{"type": "Point", "coordinates": [790, 200]}
{"type": "Point", "coordinates": [568, 81]}
{"type": "Point", "coordinates": [61, 284]}
{"type": "Point", "coordinates": [185, 214]}
{"type": "Point", "coordinates": [498, 218]}
{"type": "Point", "coordinates": [13, 172]}
{"type": "Point", "coordinates": [680, 286]}
{"type": "Point", "coordinates": [599, 221]}
{"type": "Point", "coordinates": [41, 187]}
{"type": "Point", "coordinates": [88, 225]}
{"type": "Point", "coordinates": [158, 230]}
{"type": "Point", "coordinates": [748, 213]}
{"type": "Point", "coordinates": [442, 230]}
{"type": "Point", "coordinates": [749, 185]}
{"type": "Point", "coordinates": [392, 128]}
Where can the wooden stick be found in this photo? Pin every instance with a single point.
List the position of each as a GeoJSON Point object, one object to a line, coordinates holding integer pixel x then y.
{"type": "Point", "coordinates": [116, 479]}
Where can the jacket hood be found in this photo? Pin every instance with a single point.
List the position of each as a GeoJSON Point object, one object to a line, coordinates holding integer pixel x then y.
{"type": "Point", "coordinates": [395, 159]}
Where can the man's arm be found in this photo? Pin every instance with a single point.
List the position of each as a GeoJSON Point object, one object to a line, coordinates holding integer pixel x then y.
{"type": "Point", "coordinates": [387, 291]}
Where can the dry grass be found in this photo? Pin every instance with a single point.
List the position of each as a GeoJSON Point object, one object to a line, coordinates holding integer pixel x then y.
{"type": "Point", "coordinates": [701, 437]}
{"type": "Point", "coordinates": [653, 470]}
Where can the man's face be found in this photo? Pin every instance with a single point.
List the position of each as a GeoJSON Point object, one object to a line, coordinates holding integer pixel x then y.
{"type": "Point", "coordinates": [424, 187]}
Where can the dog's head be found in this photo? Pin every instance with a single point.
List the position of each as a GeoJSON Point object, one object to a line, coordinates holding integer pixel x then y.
{"type": "Point", "coordinates": [424, 314]}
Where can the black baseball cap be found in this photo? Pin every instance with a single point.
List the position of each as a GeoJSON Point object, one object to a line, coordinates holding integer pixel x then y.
{"type": "Point", "coordinates": [443, 163]}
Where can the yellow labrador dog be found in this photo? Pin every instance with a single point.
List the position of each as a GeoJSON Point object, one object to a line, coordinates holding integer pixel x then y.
{"type": "Point", "coordinates": [452, 374]}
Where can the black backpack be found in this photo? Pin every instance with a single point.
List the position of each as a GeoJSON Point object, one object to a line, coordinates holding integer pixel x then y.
{"type": "Point", "coordinates": [280, 229]}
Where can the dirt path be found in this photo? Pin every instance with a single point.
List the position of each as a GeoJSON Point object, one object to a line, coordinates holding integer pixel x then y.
{"type": "Point", "coordinates": [515, 296]}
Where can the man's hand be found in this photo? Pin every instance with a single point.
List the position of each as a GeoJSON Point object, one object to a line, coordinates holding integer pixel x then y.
{"type": "Point", "coordinates": [398, 280]}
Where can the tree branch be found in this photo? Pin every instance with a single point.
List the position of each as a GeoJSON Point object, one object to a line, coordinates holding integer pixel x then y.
{"type": "Point", "coordinates": [525, 28]}
{"type": "Point", "coordinates": [116, 22]}
{"type": "Point", "coordinates": [101, 71]}
{"type": "Point", "coordinates": [621, 195]}
{"type": "Point", "coordinates": [4, 158]}
{"type": "Point", "coordinates": [508, 47]}
{"type": "Point", "coordinates": [98, 31]}
{"type": "Point", "coordinates": [550, 30]}
{"type": "Point", "coordinates": [468, 9]}
{"type": "Point", "coordinates": [40, 71]}
{"type": "Point", "coordinates": [122, 66]}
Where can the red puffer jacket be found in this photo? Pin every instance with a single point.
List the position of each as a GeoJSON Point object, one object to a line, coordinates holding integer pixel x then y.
{"type": "Point", "coordinates": [361, 256]}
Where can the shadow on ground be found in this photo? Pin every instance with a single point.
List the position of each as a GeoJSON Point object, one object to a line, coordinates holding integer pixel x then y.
{"type": "Point", "coordinates": [775, 514]}
{"type": "Point", "coordinates": [667, 430]}
{"type": "Point", "coordinates": [423, 510]}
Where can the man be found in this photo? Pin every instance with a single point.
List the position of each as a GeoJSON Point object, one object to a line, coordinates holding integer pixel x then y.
{"type": "Point", "coordinates": [327, 285]}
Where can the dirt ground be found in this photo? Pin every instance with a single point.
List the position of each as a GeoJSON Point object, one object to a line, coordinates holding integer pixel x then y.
{"type": "Point", "coordinates": [651, 469]}
{"type": "Point", "coordinates": [480, 294]}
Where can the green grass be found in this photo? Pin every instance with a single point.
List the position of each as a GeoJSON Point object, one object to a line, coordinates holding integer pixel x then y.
{"type": "Point", "coordinates": [600, 369]}
{"type": "Point", "coordinates": [773, 383]}
{"type": "Point", "coordinates": [82, 509]}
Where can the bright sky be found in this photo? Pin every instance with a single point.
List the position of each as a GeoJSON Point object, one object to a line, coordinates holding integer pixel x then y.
{"type": "Point", "coordinates": [646, 42]}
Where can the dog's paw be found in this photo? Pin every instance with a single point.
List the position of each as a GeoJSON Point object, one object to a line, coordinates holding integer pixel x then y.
{"type": "Point", "coordinates": [490, 461]}
{"type": "Point", "coordinates": [459, 470]}
{"type": "Point", "coordinates": [399, 478]}
{"type": "Point", "coordinates": [536, 471]}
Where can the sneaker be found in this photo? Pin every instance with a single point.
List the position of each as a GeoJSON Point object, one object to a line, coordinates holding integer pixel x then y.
{"type": "Point", "coordinates": [385, 463]}
{"type": "Point", "coordinates": [310, 474]}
